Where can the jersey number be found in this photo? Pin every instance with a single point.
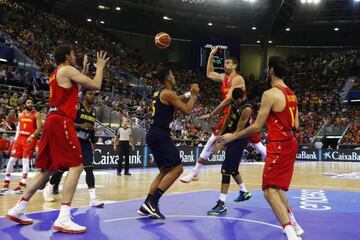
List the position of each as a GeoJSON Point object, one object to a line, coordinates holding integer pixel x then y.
{"type": "Point", "coordinates": [292, 110]}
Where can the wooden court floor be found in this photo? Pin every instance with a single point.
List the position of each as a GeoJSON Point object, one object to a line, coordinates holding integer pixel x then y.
{"type": "Point", "coordinates": [344, 176]}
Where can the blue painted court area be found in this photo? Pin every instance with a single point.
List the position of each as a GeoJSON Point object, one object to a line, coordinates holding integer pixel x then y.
{"type": "Point", "coordinates": [322, 214]}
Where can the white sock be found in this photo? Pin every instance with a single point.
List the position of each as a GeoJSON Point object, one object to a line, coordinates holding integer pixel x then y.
{"type": "Point", "coordinates": [290, 232]}
{"type": "Point", "coordinates": [26, 165]}
{"type": "Point", "coordinates": [64, 212]}
{"type": "Point", "coordinates": [10, 168]}
{"type": "Point", "coordinates": [223, 197]}
{"type": "Point", "coordinates": [197, 167]}
{"type": "Point", "coordinates": [260, 148]}
{"type": "Point", "coordinates": [291, 216]}
{"type": "Point", "coordinates": [92, 193]}
{"type": "Point", "coordinates": [242, 187]}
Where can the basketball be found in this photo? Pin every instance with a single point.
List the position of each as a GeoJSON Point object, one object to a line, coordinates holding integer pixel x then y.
{"type": "Point", "coordinates": [162, 40]}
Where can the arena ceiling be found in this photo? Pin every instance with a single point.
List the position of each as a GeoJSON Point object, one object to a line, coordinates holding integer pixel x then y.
{"type": "Point", "coordinates": [308, 24]}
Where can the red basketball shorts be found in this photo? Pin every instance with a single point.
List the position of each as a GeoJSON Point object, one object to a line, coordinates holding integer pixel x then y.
{"type": "Point", "coordinates": [22, 149]}
{"type": "Point", "coordinates": [279, 164]}
{"type": "Point", "coordinates": [59, 147]}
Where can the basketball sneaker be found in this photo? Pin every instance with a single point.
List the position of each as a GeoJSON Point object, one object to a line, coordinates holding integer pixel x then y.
{"type": "Point", "coordinates": [220, 208]}
{"type": "Point", "coordinates": [5, 187]}
{"type": "Point", "coordinates": [66, 225]}
{"type": "Point", "coordinates": [191, 176]}
{"type": "Point", "coordinates": [20, 188]}
{"type": "Point", "coordinates": [142, 211]}
{"type": "Point", "coordinates": [153, 209]}
{"type": "Point", "coordinates": [96, 203]}
{"type": "Point", "coordinates": [243, 196]}
{"type": "Point", "coordinates": [47, 193]}
{"type": "Point", "coordinates": [298, 229]}
{"type": "Point", "coordinates": [16, 215]}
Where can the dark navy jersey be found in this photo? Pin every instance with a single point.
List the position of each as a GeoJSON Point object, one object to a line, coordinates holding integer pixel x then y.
{"type": "Point", "coordinates": [235, 115]}
{"type": "Point", "coordinates": [83, 116]}
{"type": "Point", "coordinates": [162, 114]}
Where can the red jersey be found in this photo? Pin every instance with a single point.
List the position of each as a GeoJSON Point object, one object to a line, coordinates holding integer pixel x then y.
{"type": "Point", "coordinates": [64, 99]}
{"type": "Point", "coordinates": [281, 125]}
{"type": "Point", "coordinates": [225, 88]}
{"type": "Point", "coordinates": [27, 123]}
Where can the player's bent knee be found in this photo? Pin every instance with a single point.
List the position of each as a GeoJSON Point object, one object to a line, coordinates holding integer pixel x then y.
{"type": "Point", "coordinates": [225, 179]}
{"type": "Point", "coordinates": [235, 173]}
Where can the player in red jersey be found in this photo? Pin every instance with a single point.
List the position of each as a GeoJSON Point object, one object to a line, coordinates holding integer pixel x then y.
{"type": "Point", "coordinates": [28, 129]}
{"type": "Point", "coordinates": [230, 80]}
{"type": "Point", "coordinates": [59, 146]}
{"type": "Point", "coordinates": [280, 111]}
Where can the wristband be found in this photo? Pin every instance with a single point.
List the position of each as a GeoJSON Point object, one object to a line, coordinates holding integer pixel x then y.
{"type": "Point", "coordinates": [187, 95]}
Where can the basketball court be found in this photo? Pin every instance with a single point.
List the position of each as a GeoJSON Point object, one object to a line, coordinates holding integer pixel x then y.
{"type": "Point", "coordinates": [324, 197]}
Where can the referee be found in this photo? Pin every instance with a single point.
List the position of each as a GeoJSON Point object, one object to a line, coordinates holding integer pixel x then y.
{"type": "Point", "coordinates": [123, 140]}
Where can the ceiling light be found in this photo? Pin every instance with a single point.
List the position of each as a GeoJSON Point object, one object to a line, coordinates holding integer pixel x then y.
{"type": "Point", "coordinates": [253, 28]}
{"type": "Point", "coordinates": [102, 22]}
{"type": "Point", "coordinates": [270, 41]}
{"type": "Point", "coordinates": [118, 8]}
{"type": "Point", "coordinates": [336, 29]}
{"type": "Point", "coordinates": [210, 24]}
{"type": "Point", "coordinates": [102, 7]}
{"type": "Point", "coordinates": [258, 41]}
{"type": "Point", "coordinates": [89, 20]}
{"type": "Point", "coordinates": [287, 29]}
{"type": "Point", "coordinates": [167, 18]}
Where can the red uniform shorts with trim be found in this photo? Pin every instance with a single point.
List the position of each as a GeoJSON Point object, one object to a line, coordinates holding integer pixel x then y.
{"type": "Point", "coordinates": [22, 149]}
{"type": "Point", "coordinates": [59, 147]}
{"type": "Point", "coordinates": [279, 164]}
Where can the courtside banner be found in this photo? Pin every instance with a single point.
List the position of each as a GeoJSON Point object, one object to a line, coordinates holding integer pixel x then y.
{"type": "Point", "coordinates": [106, 157]}
{"type": "Point", "coordinates": [328, 155]}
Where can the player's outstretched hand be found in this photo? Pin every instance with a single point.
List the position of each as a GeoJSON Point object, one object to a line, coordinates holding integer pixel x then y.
{"type": "Point", "coordinates": [226, 138]}
{"type": "Point", "coordinates": [214, 50]}
{"type": "Point", "coordinates": [101, 59]}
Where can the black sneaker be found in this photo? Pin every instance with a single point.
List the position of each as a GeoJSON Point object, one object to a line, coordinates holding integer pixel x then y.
{"type": "Point", "coordinates": [153, 210]}
{"type": "Point", "coordinates": [127, 174]}
{"type": "Point", "coordinates": [142, 211]}
{"type": "Point", "coordinates": [220, 208]}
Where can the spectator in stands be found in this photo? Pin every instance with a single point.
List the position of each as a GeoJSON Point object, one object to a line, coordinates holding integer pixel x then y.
{"type": "Point", "coordinates": [318, 144]}
{"type": "Point", "coordinates": [12, 119]}
{"type": "Point", "coordinates": [4, 148]}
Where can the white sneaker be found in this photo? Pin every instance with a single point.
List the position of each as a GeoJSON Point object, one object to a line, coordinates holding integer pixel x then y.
{"type": "Point", "coordinates": [47, 193]}
{"type": "Point", "coordinates": [290, 233]}
{"type": "Point", "coordinates": [66, 225]}
{"type": "Point", "coordinates": [191, 176]}
{"type": "Point", "coordinates": [298, 229]}
{"type": "Point", "coordinates": [18, 216]}
{"type": "Point", "coordinates": [96, 203]}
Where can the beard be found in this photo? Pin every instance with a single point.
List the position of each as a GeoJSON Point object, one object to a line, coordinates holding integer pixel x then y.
{"type": "Point", "coordinates": [29, 108]}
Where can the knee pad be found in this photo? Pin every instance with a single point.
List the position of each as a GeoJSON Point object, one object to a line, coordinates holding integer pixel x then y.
{"type": "Point", "coordinates": [225, 179]}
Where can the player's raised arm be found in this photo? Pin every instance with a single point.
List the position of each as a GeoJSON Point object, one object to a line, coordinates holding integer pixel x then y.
{"type": "Point", "coordinates": [210, 73]}
{"type": "Point", "coordinates": [93, 84]}
{"type": "Point", "coordinates": [170, 97]}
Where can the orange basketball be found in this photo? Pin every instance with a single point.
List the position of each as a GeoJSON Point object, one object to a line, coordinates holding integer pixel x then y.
{"type": "Point", "coordinates": [162, 40]}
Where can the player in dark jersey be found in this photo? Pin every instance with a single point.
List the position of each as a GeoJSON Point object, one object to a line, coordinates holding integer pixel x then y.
{"type": "Point", "coordinates": [59, 146]}
{"type": "Point", "coordinates": [84, 125]}
{"type": "Point", "coordinates": [279, 110]}
{"type": "Point", "coordinates": [237, 119]}
{"type": "Point", "coordinates": [158, 139]}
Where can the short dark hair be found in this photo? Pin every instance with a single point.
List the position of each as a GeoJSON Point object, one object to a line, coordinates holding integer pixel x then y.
{"type": "Point", "coordinates": [279, 65]}
{"type": "Point", "coordinates": [28, 98]}
{"type": "Point", "coordinates": [234, 60]}
{"type": "Point", "coordinates": [61, 52]}
{"type": "Point", "coordinates": [237, 93]}
{"type": "Point", "coordinates": [162, 74]}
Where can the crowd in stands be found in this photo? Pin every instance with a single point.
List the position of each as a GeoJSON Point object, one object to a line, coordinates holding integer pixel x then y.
{"type": "Point", "coordinates": [316, 80]}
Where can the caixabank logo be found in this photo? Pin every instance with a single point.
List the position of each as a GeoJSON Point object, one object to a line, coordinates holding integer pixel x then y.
{"type": "Point", "coordinates": [341, 155]}
{"type": "Point", "coordinates": [307, 155]}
